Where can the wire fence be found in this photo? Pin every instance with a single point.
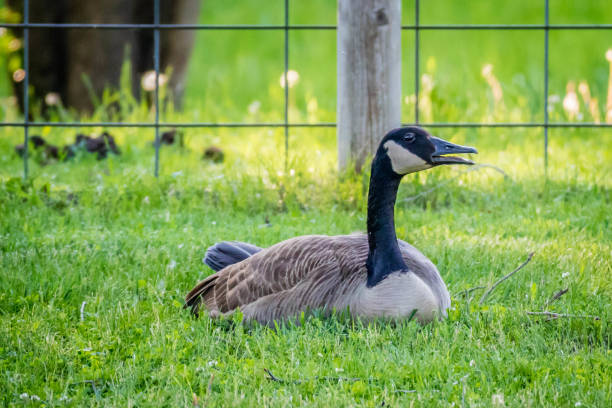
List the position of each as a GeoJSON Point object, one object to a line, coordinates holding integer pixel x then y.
{"type": "Point", "coordinates": [546, 27]}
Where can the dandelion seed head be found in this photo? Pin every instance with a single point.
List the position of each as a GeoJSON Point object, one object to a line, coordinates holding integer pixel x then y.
{"type": "Point", "coordinates": [148, 80]}
{"type": "Point", "coordinates": [52, 99]}
{"type": "Point", "coordinates": [19, 75]}
{"type": "Point", "coordinates": [292, 78]}
{"type": "Point", "coordinates": [428, 82]}
{"type": "Point", "coordinates": [487, 70]}
{"type": "Point", "coordinates": [14, 44]}
{"type": "Point", "coordinates": [254, 107]}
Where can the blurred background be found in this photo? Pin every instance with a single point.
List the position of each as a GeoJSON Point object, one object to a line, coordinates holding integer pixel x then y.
{"type": "Point", "coordinates": [222, 76]}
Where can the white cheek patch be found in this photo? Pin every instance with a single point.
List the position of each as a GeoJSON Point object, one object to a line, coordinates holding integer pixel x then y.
{"type": "Point", "coordinates": [402, 160]}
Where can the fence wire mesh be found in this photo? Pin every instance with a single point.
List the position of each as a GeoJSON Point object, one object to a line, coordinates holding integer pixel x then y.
{"type": "Point", "coordinates": [546, 27]}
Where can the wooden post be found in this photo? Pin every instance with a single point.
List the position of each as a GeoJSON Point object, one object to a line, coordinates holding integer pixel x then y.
{"type": "Point", "coordinates": [369, 76]}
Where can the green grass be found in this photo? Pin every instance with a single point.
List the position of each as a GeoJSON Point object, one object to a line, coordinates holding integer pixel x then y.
{"type": "Point", "coordinates": [131, 246]}
{"type": "Point", "coordinates": [108, 234]}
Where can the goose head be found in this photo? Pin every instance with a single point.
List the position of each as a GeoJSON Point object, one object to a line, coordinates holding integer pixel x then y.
{"type": "Point", "coordinates": [411, 149]}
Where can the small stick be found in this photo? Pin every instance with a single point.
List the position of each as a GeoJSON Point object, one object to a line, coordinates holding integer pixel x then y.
{"type": "Point", "coordinates": [553, 315]}
{"type": "Point", "coordinates": [470, 290]}
{"type": "Point", "coordinates": [492, 288]}
{"type": "Point", "coordinates": [93, 386]}
{"type": "Point", "coordinates": [463, 380]}
{"type": "Point", "coordinates": [209, 388]}
{"type": "Point", "coordinates": [557, 296]}
{"type": "Point", "coordinates": [350, 379]}
{"type": "Point", "coordinates": [196, 403]}
{"type": "Point", "coordinates": [472, 168]}
{"type": "Point", "coordinates": [272, 376]}
{"type": "Point", "coordinates": [83, 311]}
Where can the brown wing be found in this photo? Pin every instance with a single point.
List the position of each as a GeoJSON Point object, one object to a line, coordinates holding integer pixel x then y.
{"type": "Point", "coordinates": [303, 271]}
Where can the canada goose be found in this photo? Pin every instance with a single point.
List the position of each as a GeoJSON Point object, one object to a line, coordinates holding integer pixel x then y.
{"type": "Point", "coordinates": [372, 276]}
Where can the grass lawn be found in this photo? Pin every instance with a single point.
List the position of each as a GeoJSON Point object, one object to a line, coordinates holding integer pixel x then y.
{"type": "Point", "coordinates": [96, 256]}
{"type": "Point", "coordinates": [93, 277]}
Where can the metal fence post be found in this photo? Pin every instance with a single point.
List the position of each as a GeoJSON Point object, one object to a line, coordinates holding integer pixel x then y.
{"type": "Point", "coordinates": [416, 62]}
{"type": "Point", "coordinates": [26, 82]}
{"type": "Point", "coordinates": [546, 32]}
{"type": "Point", "coordinates": [286, 122]}
{"type": "Point", "coordinates": [380, 14]}
{"type": "Point", "coordinates": [156, 66]}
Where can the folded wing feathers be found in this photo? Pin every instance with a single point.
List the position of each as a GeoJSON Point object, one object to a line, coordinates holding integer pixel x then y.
{"type": "Point", "coordinates": [308, 262]}
{"type": "Point", "coordinates": [226, 253]}
{"type": "Point", "coordinates": [298, 274]}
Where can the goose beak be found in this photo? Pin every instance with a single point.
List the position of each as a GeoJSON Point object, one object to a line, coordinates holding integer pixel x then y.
{"type": "Point", "coordinates": [444, 148]}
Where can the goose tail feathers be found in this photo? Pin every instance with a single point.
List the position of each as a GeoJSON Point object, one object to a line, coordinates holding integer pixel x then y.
{"type": "Point", "coordinates": [198, 294]}
{"type": "Point", "coordinates": [227, 253]}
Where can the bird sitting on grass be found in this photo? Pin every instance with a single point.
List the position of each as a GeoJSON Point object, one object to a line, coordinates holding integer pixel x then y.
{"type": "Point", "coordinates": [371, 276]}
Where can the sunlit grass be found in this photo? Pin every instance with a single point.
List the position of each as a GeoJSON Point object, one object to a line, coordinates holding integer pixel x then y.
{"type": "Point", "coordinates": [108, 234]}
{"type": "Point", "coordinates": [96, 256]}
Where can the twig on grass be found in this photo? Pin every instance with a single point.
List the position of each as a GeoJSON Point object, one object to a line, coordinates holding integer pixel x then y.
{"type": "Point", "coordinates": [553, 315]}
{"type": "Point", "coordinates": [470, 290]}
{"type": "Point", "coordinates": [196, 403]}
{"type": "Point", "coordinates": [463, 381]}
{"type": "Point", "coordinates": [469, 170]}
{"type": "Point", "coordinates": [83, 311]}
{"type": "Point", "coordinates": [496, 284]}
{"type": "Point", "coordinates": [93, 386]}
{"type": "Point", "coordinates": [557, 296]}
{"type": "Point", "coordinates": [208, 391]}
{"type": "Point", "coordinates": [209, 387]}
{"type": "Point", "coordinates": [274, 378]}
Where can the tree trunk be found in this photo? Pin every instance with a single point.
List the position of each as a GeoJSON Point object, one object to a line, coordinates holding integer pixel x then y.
{"type": "Point", "coordinates": [61, 58]}
{"type": "Point", "coordinates": [369, 76]}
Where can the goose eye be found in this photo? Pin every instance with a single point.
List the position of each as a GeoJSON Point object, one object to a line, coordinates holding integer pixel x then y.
{"type": "Point", "coordinates": [409, 137]}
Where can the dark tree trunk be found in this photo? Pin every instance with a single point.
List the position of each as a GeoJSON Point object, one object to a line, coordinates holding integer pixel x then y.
{"type": "Point", "coordinates": [60, 59]}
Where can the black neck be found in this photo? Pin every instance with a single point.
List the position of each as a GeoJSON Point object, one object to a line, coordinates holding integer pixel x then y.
{"type": "Point", "coordinates": [384, 255]}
